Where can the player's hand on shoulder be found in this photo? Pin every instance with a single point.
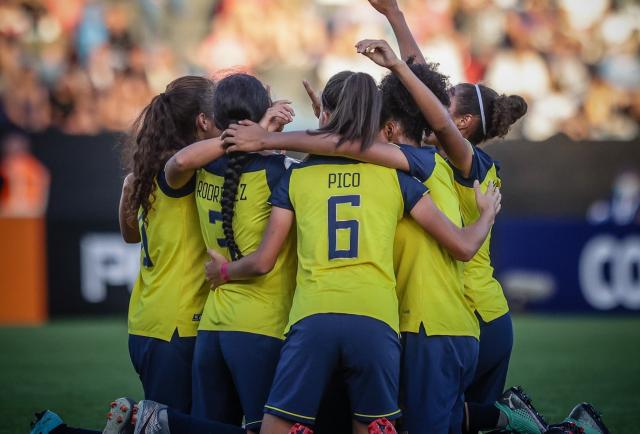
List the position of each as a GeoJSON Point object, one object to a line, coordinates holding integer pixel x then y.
{"type": "Point", "coordinates": [489, 202]}
{"type": "Point", "coordinates": [379, 52]}
{"type": "Point", "coordinates": [213, 269]}
{"type": "Point", "coordinates": [245, 136]}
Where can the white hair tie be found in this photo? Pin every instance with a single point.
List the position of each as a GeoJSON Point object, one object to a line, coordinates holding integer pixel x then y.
{"type": "Point", "coordinates": [484, 122]}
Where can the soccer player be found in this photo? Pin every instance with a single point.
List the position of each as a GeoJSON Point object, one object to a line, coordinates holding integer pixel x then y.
{"type": "Point", "coordinates": [344, 313]}
{"type": "Point", "coordinates": [170, 292]}
{"type": "Point", "coordinates": [440, 331]}
{"type": "Point", "coordinates": [482, 290]}
{"type": "Point", "coordinates": [242, 327]}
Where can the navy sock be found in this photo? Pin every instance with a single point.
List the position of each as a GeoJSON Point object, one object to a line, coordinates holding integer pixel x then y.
{"type": "Point", "coordinates": [481, 417]}
{"type": "Point", "coordinates": [180, 423]}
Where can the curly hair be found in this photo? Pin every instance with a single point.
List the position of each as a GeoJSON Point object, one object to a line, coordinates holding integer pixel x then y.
{"type": "Point", "coordinates": [399, 105]}
{"type": "Point", "coordinates": [163, 127]}
{"type": "Point", "coordinates": [237, 97]}
{"type": "Point", "coordinates": [501, 111]}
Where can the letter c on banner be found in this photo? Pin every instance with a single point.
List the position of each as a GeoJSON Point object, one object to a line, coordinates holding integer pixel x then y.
{"type": "Point", "coordinates": [623, 286]}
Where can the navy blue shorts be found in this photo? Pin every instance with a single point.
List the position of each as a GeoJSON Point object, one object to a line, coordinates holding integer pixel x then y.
{"type": "Point", "coordinates": [496, 343]}
{"type": "Point", "coordinates": [436, 370]}
{"type": "Point", "coordinates": [164, 368]}
{"type": "Point", "coordinates": [232, 376]}
{"type": "Point", "coordinates": [366, 350]}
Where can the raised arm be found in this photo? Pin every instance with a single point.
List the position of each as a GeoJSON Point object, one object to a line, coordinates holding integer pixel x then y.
{"type": "Point", "coordinates": [181, 167]}
{"type": "Point", "coordinates": [260, 262]}
{"type": "Point", "coordinates": [250, 137]}
{"type": "Point", "coordinates": [128, 225]}
{"type": "Point", "coordinates": [462, 243]}
{"type": "Point", "coordinates": [406, 41]}
{"type": "Point", "coordinates": [459, 150]}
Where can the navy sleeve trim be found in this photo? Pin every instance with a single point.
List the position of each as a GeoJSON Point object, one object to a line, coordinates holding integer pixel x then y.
{"type": "Point", "coordinates": [421, 161]}
{"type": "Point", "coordinates": [412, 190]}
{"type": "Point", "coordinates": [176, 193]}
{"type": "Point", "coordinates": [480, 166]}
{"type": "Point", "coordinates": [280, 194]}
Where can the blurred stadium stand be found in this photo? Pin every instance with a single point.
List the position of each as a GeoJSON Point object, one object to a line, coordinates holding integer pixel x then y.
{"type": "Point", "coordinates": [89, 66]}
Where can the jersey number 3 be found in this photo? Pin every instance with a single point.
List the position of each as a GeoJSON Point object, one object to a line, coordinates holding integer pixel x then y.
{"type": "Point", "coordinates": [353, 226]}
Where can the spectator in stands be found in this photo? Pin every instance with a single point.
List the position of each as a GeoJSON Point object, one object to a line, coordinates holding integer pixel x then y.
{"type": "Point", "coordinates": [26, 181]}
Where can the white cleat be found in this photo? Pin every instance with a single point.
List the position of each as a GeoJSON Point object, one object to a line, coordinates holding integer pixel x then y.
{"type": "Point", "coordinates": [119, 417]}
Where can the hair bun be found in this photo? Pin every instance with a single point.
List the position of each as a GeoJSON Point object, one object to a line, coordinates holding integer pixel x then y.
{"type": "Point", "coordinates": [518, 106]}
{"type": "Point", "coordinates": [506, 111]}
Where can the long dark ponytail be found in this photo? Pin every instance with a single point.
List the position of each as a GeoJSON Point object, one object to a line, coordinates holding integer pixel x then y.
{"type": "Point", "coordinates": [356, 114]}
{"type": "Point", "coordinates": [500, 111]}
{"type": "Point", "coordinates": [237, 97]}
{"type": "Point", "coordinates": [165, 126]}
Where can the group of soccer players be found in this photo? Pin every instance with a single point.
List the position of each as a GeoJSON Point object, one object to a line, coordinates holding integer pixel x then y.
{"type": "Point", "coordinates": [357, 281]}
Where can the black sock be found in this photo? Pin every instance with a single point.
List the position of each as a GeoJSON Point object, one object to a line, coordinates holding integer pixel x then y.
{"type": "Point", "coordinates": [480, 417]}
{"type": "Point", "coordinates": [64, 429]}
{"type": "Point", "coordinates": [180, 423]}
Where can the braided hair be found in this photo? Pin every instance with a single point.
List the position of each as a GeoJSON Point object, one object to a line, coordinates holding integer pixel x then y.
{"type": "Point", "coordinates": [163, 127]}
{"type": "Point", "coordinates": [501, 111]}
{"type": "Point", "coordinates": [236, 97]}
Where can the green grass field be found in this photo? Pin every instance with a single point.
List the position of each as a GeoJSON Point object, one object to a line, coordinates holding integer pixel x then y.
{"type": "Point", "coordinates": [76, 367]}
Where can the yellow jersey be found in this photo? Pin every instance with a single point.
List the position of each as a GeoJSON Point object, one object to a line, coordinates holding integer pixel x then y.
{"type": "Point", "coordinates": [171, 289]}
{"type": "Point", "coordinates": [429, 279]}
{"type": "Point", "coordinates": [346, 217]}
{"type": "Point", "coordinates": [484, 293]}
{"type": "Point", "coordinates": [260, 305]}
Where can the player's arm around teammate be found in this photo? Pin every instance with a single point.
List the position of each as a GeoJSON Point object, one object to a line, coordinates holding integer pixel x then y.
{"type": "Point", "coordinates": [181, 167]}
{"type": "Point", "coordinates": [463, 243]}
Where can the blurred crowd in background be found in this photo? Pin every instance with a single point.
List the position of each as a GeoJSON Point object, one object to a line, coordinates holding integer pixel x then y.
{"type": "Point", "coordinates": [88, 66]}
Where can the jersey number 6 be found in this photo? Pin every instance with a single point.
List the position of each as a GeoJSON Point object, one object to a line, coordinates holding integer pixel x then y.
{"type": "Point", "coordinates": [335, 225]}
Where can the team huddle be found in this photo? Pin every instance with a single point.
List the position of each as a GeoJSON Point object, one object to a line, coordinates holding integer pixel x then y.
{"type": "Point", "coordinates": [352, 291]}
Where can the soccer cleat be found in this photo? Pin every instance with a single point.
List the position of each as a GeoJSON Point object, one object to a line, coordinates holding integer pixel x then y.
{"type": "Point", "coordinates": [522, 416]}
{"type": "Point", "coordinates": [119, 417]}
{"type": "Point", "coordinates": [151, 418]}
{"type": "Point", "coordinates": [565, 428]}
{"type": "Point", "coordinates": [381, 426]}
{"type": "Point", "coordinates": [587, 417]}
{"type": "Point", "coordinates": [300, 429]}
{"type": "Point", "coordinates": [45, 422]}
